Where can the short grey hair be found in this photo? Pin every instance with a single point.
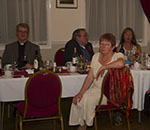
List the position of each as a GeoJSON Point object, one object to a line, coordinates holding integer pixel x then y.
{"type": "Point", "coordinates": [24, 25]}
{"type": "Point", "coordinates": [77, 33]}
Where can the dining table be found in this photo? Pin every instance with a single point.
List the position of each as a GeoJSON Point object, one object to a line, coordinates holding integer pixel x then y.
{"type": "Point", "coordinates": [12, 89]}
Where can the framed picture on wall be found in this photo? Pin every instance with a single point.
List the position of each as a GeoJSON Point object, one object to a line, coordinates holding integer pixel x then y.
{"type": "Point", "coordinates": [67, 4]}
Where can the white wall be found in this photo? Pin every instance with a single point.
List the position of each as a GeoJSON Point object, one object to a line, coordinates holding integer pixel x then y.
{"type": "Point", "coordinates": [61, 25]}
{"type": "Point", "coordinates": [146, 41]}
{"type": "Point", "coordinates": [64, 21]}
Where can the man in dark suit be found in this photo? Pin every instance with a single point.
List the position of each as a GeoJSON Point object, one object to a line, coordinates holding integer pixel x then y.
{"type": "Point", "coordinates": [17, 51]}
{"type": "Point", "coordinates": [80, 42]}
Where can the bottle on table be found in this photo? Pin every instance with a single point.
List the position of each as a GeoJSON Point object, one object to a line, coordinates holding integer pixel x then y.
{"type": "Point", "coordinates": [75, 57]}
{"type": "Point", "coordinates": [47, 65]}
{"type": "Point", "coordinates": [25, 61]}
{"type": "Point", "coordinates": [82, 65]}
{"type": "Point", "coordinates": [36, 63]}
{"type": "Point", "coordinates": [143, 59]}
{"type": "Point", "coordinates": [54, 67]}
{"type": "Point", "coordinates": [148, 62]}
{"type": "Point", "coordinates": [15, 66]}
{"type": "Point", "coordinates": [147, 59]}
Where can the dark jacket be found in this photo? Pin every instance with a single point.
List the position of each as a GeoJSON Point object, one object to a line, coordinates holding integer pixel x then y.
{"type": "Point", "coordinates": [11, 53]}
{"type": "Point", "coordinates": [69, 50]}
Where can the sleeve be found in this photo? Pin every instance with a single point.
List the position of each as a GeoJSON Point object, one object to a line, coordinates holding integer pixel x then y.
{"type": "Point", "coordinates": [92, 51]}
{"type": "Point", "coordinates": [5, 56]}
{"type": "Point", "coordinates": [119, 55]}
{"type": "Point", "coordinates": [68, 52]}
{"type": "Point", "coordinates": [93, 60]}
{"type": "Point", "coordinates": [40, 57]}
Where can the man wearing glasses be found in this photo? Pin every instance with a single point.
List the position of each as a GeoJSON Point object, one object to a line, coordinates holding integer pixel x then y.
{"type": "Point", "coordinates": [80, 42]}
{"type": "Point", "coordinates": [21, 50]}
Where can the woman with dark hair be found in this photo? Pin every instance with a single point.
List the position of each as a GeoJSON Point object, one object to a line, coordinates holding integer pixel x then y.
{"type": "Point", "coordinates": [84, 103]}
{"type": "Point", "coordinates": [128, 43]}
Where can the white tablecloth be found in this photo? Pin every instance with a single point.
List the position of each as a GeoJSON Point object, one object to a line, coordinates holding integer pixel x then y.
{"type": "Point", "coordinates": [141, 79]}
{"type": "Point", "coordinates": [13, 89]}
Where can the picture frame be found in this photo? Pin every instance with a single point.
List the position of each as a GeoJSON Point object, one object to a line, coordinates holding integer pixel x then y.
{"type": "Point", "coordinates": [72, 4]}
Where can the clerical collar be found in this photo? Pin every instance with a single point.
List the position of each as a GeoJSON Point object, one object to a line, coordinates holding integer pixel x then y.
{"type": "Point", "coordinates": [22, 44]}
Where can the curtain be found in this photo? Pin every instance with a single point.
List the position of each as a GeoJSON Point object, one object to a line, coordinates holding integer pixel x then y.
{"type": "Point", "coordinates": [32, 12]}
{"type": "Point", "coordinates": [113, 16]}
{"type": "Point", "coordinates": [145, 4]}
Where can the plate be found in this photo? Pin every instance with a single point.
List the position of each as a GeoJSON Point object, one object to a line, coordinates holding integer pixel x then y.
{"type": "Point", "coordinates": [71, 71]}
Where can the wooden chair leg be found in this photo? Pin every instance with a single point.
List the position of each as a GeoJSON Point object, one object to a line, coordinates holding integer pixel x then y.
{"type": "Point", "coordinates": [95, 123]}
{"type": "Point", "coordinates": [20, 122]}
{"type": "Point", "coordinates": [17, 121]}
{"type": "Point", "coordinates": [110, 116]}
{"type": "Point", "coordinates": [20, 125]}
{"type": "Point", "coordinates": [128, 121]}
{"type": "Point", "coordinates": [8, 110]}
{"type": "Point", "coordinates": [2, 115]}
{"type": "Point", "coordinates": [62, 124]}
{"type": "Point", "coordinates": [54, 125]}
{"type": "Point", "coordinates": [16, 125]}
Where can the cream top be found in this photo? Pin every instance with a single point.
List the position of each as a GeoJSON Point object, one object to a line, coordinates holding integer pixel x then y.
{"type": "Point", "coordinates": [95, 64]}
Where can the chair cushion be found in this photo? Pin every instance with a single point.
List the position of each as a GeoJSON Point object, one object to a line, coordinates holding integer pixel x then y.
{"type": "Point", "coordinates": [34, 112]}
{"type": "Point", "coordinates": [43, 90]}
{"type": "Point", "coordinates": [59, 57]}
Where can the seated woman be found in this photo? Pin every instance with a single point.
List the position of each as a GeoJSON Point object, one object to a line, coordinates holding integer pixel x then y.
{"type": "Point", "coordinates": [128, 44]}
{"type": "Point", "coordinates": [84, 103]}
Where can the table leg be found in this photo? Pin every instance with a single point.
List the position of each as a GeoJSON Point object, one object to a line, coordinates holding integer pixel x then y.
{"type": "Point", "coordinates": [2, 104]}
{"type": "Point", "coordinates": [0, 115]}
{"type": "Point", "coordinates": [139, 117]}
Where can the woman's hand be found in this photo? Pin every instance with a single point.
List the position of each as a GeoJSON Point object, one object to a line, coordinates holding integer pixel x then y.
{"type": "Point", "coordinates": [77, 98]}
{"type": "Point", "coordinates": [100, 72]}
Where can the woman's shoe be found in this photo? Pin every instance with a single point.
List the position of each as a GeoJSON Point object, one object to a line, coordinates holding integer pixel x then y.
{"type": "Point", "coordinates": [82, 127]}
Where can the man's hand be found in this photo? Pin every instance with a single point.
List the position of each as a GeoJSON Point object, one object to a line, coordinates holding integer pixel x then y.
{"type": "Point", "coordinates": [28, 66]}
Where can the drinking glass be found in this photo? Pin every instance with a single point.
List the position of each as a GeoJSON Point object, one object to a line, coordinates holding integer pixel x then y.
{"type": "Point", "coordinates": [8, 70]}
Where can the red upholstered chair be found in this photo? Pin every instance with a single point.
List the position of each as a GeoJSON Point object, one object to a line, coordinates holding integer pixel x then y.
{"type": "Point", "coordinates": [42, 99]}
{"type": "Point", "coordinates": [105, 90]}
{"type": "Point", "coordinates": [59, 57]}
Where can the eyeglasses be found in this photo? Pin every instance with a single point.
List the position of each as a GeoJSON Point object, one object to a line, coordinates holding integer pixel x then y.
{"type": "Point", "coordinates": [20, 31]}
{"type": "Point", "coordinates": [107, 44]}
{"type": "Point", "coordinates": [84, 35]}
